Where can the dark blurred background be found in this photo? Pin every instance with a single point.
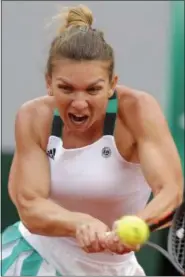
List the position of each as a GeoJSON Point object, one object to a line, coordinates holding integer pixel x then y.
{"type": "Point", "coordinates": [148, 38]}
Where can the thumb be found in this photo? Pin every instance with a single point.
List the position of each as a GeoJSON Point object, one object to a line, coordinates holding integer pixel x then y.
{"type": "Point", "coordinates": [115, 225]}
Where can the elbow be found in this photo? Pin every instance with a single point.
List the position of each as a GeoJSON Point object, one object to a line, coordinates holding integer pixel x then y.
{"type": "Point", "coordinates": [176, 197]}
{"type": "Point", "coordinates": [28, 221]}
{"type": "Point", "coordinates": [179, 197]}
{"type": "Point", "coordinates": [27, 213]}
{"type": "Point", "coordinates": [179, 191]}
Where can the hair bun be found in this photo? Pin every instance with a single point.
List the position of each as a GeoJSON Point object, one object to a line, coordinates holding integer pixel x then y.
{"type": "Point", "coordinates": [78, 16]}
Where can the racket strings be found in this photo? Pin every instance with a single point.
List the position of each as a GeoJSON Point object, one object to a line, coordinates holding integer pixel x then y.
{"type": "Point", "coordinates": [178, 241]}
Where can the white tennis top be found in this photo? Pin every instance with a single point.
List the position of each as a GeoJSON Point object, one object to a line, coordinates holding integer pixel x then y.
{"type": "Point", "coordinates": [96, 180]}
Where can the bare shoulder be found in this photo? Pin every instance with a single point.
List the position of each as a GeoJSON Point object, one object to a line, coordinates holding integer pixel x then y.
{"type": "Point", "coordinates": [137, 98]}
{"type": "Point", "coordinates": [41, 106]}
{"type": "Point", "coordinates": [33, 120]}
{"type": "Point", "coordinates": [139, 105]}
{"type": "Point", "coordinates": [141, 113]}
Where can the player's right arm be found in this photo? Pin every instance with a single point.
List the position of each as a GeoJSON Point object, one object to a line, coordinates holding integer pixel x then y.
{"type": "Point", "coordinates": [29, 183]}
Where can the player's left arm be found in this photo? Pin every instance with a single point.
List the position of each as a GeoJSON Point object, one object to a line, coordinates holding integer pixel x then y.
{"type": "Point", "coordinates": [158, 155]}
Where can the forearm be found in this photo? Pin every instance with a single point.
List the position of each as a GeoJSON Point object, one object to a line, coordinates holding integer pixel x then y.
{"type": "Point", "coordinates": [45, 217]}
{"type": "Point", "coordinates": [164, 203]}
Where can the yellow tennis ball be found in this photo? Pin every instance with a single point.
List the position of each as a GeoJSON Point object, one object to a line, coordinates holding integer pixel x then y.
{"type": "Point", "coordinates": [132, 230]}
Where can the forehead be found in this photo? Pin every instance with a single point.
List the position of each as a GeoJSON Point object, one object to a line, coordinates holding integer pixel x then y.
{"type": "Point", "coordinates": [76, 72]}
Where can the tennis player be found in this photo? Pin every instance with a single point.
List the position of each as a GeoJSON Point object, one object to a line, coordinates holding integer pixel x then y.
{"type": "Point", "coordinates": [87, 154]}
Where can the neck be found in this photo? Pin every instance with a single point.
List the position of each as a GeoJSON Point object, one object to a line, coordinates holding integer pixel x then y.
{"type": "Point", "coordinates": [72, 139]}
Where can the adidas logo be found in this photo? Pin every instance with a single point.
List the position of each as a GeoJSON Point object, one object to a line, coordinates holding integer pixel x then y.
{"type": "Point", "coordinates": [51, 153]}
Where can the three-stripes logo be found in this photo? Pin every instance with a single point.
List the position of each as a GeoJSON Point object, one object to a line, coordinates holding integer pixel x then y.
{"type": "Point", "coordinates": [51, 153]}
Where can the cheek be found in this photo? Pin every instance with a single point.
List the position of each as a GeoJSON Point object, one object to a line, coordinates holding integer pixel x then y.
{"type": "Point", "coordinates": [59, 96]}
{"type": "Point", "coordinates": [62, 101]}
{"type": "Point", "coordinates": [101, 105]}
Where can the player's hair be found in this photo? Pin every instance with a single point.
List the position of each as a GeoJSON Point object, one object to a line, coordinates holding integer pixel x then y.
{"type": "Point", "coordinates": [77, 40]}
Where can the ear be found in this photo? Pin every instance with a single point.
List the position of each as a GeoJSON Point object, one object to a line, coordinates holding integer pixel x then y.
{"type": "Point", "coordinates": [113, 85]}
{"type": "Point", "coordinates": [48, 84]}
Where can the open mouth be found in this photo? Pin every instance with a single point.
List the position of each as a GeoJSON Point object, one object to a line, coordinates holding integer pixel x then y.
{"type": "Point", "coordinates": [78, 119]}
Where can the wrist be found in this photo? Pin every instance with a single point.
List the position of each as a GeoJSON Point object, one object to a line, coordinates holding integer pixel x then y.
{"type": "Point", "coordinates": [75, 220]}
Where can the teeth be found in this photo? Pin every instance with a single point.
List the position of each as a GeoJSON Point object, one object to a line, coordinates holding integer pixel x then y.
{"type": "Point", "coordinates": [79, 115]}
{"type": "Point", "coordinates": [78, 118]}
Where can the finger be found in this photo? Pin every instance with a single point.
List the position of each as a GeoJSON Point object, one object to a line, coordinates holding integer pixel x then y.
{"type": "Point", "coordinates": [101, 239]}
{"type": "Point", "coordinates": [110, 243]}
{"type": "Point", "coordinates": [135, 248]}
{"type": "Point", "coordinates": [85, 233]}
{"type": "Point", "coordinates": [114, 245]}
{"type": "Point", "coordinates": [112, 235]}
{"type": "Point", "coordinates": [115, 224]}
{"type": "Point", "coordinates": [82, 238]}
{"type": "Point", "coordinates": [90, 240]}
{"type": "Point", "coordinates": [115, 237]}
{"type": "Point", "coordinates": [120, 248]}
{"type": "Point", "coordinates": [94, 240]}
{"type": "Point", "coordinates": [107, 239]}
{"type": "Point", "coordinates": [81, 243]}
{"type": "Point", "coordinates": [129, 248]}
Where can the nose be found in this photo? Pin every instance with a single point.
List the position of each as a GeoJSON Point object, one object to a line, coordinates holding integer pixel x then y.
{"type": "Point", "coordinates": [79, 104]}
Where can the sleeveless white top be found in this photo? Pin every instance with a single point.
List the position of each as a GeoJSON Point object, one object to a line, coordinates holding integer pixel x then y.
{"type": "Point", "coordinates": [95, 180]}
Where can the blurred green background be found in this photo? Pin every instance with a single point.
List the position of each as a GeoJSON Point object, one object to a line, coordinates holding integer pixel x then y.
{"type": "Point", "coordinates": [153, 262]}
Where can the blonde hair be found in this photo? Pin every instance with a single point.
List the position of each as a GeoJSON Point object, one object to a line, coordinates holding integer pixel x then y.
{"type": "Point", "coordinates": [75, 16]}
{"type": "Point", "coordinates": [77, 40]}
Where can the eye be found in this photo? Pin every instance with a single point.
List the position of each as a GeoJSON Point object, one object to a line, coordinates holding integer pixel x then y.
{"type": "Point", "coordinates": [65, 88]}
{"type": "Point", "coordinates": [94, 90]}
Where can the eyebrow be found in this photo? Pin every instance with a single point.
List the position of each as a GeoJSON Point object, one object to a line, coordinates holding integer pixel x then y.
{"type": "Point", "coordinates": [90, 85]}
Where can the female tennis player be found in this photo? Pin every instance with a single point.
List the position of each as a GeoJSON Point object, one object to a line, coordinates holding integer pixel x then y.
{"type": "Point", "coordinates": [87, 154]}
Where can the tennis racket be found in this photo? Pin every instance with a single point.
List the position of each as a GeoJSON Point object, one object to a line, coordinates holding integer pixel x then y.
{"type": "Point", "coordinates": [176, 239]}
{"type": "Point", "coordinates": [175, 252]}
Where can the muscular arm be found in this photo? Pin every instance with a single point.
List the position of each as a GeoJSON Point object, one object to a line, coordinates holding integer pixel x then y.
{"type": "Point", "coordinates": [29, 185]}
{"type": "Point", "coordinates": [158, 156]}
